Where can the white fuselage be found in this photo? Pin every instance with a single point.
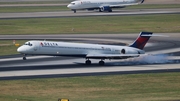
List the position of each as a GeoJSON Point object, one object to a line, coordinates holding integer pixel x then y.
{"type": "Point", "coordinates": [96, 4]}
{"type": "Point", "coordinates": [73, 49]}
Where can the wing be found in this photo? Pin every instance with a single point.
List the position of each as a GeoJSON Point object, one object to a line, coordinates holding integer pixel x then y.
{"type": "Point", "coordinates": [123, 5]}
{"type": "Point", "coordinates": [111, 56]}
{"type": "Point", "coordinates": [128, 4]}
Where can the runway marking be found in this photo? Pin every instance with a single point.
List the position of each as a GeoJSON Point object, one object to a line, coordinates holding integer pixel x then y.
{"type": "Point", "coordinates": [88, 70]}
{"type": "Point", "coordinates": [20, 58]}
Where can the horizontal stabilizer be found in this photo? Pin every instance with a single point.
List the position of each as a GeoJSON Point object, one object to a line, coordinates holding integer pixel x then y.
{"type": "Point", "coordinates": [150, 35]}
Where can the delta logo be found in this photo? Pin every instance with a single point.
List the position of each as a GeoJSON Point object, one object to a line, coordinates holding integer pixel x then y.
{"type": "Point", "coordinates": [48, 44]}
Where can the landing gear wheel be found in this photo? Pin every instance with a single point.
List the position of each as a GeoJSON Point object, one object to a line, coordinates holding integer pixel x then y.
{"type": "Point", "coordinates": [24, 58]}
{"type": "Point", "coordinates": [88, 62]}
{"type": "Point", "coordinates": [74, 11]}
{"type": "Point", "coordinates": [101, 63]}
{"type": "Point", "coordinates": [100, 10]}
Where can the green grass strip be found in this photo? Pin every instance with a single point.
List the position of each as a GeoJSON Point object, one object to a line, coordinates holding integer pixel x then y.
{"type": "Point", "coordinates": [33, 9]}
{"type": "Point", "coordinates": [101, 24]}
{"type": "Point", "coordinates": [7, 47]}
{"type": "Point", "coordinates": [136, 87]}
{"type": "Point", "coordinates": [37, 2]}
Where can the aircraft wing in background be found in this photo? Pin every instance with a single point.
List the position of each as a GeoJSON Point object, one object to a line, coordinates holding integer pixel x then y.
{"type": "Point", "coordinates": [128, 4]}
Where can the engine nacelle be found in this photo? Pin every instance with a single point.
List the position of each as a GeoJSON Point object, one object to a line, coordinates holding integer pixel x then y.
{"type": "Point", "coordinates": [131, 51]}
{"type": "Point", "coordinates": [105, 8]}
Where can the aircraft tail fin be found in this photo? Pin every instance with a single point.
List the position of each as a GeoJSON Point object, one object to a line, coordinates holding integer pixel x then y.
{"type": "Point", "coordinates": [139, 1]}
{"type": "Point", "coordinates": [141, 41]}
{"type": "Point", "coordinates": [142, 1]}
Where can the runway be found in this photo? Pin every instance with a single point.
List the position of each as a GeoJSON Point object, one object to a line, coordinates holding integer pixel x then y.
{"type": "Point", "coordinates": [13, 67]}
{"type": "Point", "coordinates": [119, 12]}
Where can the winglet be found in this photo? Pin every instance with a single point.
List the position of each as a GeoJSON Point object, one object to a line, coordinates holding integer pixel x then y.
{"type": "Point", "coordinates": [142, 39]}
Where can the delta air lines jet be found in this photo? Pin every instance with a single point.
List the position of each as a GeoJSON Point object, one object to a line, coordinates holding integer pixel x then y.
{"type": "Point", "coordinates": [102, 5]}
{"type": "Point", "coordinates": [87, 51]}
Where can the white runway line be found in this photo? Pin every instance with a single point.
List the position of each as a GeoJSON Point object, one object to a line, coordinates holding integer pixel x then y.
{"type": "Point", "coordinates": [88, 70]}
{"type": "Point", "coordinates": [20, 58]}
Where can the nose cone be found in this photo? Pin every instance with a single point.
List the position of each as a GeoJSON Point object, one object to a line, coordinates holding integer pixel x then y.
{"type": "Point", "coordinates": [69, 5]}
{"type": "Point", "coordinates": [21, 49]}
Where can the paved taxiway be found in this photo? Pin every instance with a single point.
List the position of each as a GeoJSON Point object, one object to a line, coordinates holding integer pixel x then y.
{"type": "Point", "coordinates": [47, 66]}
{"type": "Point", "coordinates": [89, 13]}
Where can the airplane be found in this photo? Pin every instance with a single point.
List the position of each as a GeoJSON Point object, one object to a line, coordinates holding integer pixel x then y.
{"type": "Point", "coordinates": [102, 5]}
{"type": "Point", "coordinates": [84, 50]}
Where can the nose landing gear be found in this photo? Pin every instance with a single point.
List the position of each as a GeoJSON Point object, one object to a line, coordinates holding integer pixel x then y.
{"type": "Point", "coordinates": [24, 57]}
{"type": "Point", "coordinates": [74, 10]}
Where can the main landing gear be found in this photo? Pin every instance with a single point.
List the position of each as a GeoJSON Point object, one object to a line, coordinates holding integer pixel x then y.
{"type": "Point", "coordinates": [88, 62]}
{"type": "Point", "coordinates": [101, 63]}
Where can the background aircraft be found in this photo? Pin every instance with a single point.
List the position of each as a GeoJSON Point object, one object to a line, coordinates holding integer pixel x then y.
{"type": "Point", "coordinates": [87, 51]}
{"type": "Point", "coordinates": [102, 5]}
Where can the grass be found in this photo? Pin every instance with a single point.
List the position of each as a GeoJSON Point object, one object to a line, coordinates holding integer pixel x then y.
{"type": "Point", "coordinates": [8, 48]}
{"type": "Point", "coordinates": [100, 24]}
{"type": "Point", "coordinates": [33, 9]}
{"type": "Point", "coordinates": [62, 8]}
{"type": "Point", "coordinates": [139, 87]}
{"type": "Point", "coordinates": [37, 2]}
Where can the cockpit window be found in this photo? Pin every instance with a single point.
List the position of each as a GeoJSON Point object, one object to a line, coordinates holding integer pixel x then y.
{"type": "Point", "coordinates": [28, 43]}
{"type": "Point", "coordinates": [73, 3]}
